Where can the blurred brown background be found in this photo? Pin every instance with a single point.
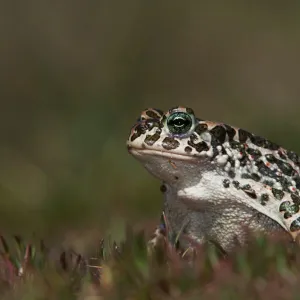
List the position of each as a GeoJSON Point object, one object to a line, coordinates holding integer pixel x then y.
{"type": "Point", "coordinates": [74, 76]}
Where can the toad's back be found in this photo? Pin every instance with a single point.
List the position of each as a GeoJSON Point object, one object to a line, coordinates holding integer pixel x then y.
{"type": "Point", "coordinates": [218, 178]}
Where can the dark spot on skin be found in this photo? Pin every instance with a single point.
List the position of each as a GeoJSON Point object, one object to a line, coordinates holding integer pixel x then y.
{"type": "Point", "coordinates": [200, 128]}
{"type": "Point", "coordinates": [236, 184]}
{"type": "Point", "coordinates": [246, 176]}
{"type": "Point", "coordinates": [285, 167]}
{"type": "Point", "coordinates": [232, 162]}
{"type": "Point", "coordinates": [270, 158]}
{"type": "Point", "coordinates": [255, 176]}
{"type": "Point", "coordinates": [176, 177]}
{"type": "Point", "coordinates": [139, 130]}
{"type": "Point", "coordinates": [223, 151]}
{"type": "Point", "coordinates": [188, 149]}
{"type": "Point", "coordinates": [215, 152]}
{"type": "Point", "coordinates": [295, 198]}
{"type": "Point", "coordinates": [258, 140]}
{"type": "Point", "coordinates": [251, 193]}
{"type": "Point", "coordinates": [293, 157]}
{"type": "Point", "coordinates": [189, 111]}
{"type": "Point", "coordinates": [226, 183]}
{"type": "Point", "coordinates": [234, 145]}
{"type": "Point", "coordinates": [150, 123]}
{"type": "Point", "coordinates": [266, 171]}
{"type": "Point", "coordinates": [243, 135]}
{"type": "Point", "coordinates": [268, 182]}
{"type": "Point", "coordinates": [134, 136]}
{"type": "Point", "coordinates": [289, 209]}
{"type": "Point", "coordinates": [219, 134]}
{"type": "Point", "coordinates": [152, 114]}
{"type": "Point", "coordinates": [287, 215]}
{"type": "Point", "coordinates": [283, 206]}
{"type": "Point", "coordinates": [163, 188]}
{"type": "Point", "coordinates": [271, 146]}
{"type": "Point", "coordinates": [231, 174]}
{"type": "Point", "coordinates": [254, 153]}
{"type": "Point", "coordinates": [294, 173]}
{"type": "Point", "coordinates": [244, 159]}
{"type": "Point", "coordinates": [285, 184]}
{"type": "Point", "coordinates": [278, 194]}
{"type": "Point", "coordinates": [230, 132]}
{"type": "Point", "coordinates": [159, 111]}
{"type": "Point", "coordinates": [151, 139]}
{"type": "Point", "coordinates": [193, 137]}
{"type": "Point", "coordinates": [295, 225]}
{"type": "Point", "coordinates": [297, 180]}
{"type": "Point", "coordinates": [264, 198]}
{"type": "Point", "coordinates": [262, 142]}
{"type": "Point", "coordinates": [201, 146]}
{"type": "Point", "coordinates": [170, 143]}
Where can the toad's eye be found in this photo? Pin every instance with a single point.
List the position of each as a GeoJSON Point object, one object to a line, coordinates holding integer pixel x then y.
{"type": "Point", "coordinates": [179, 122]}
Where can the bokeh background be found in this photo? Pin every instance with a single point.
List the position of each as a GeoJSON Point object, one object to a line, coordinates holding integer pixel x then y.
{"type": "Point", "coordinates": [75, 75]}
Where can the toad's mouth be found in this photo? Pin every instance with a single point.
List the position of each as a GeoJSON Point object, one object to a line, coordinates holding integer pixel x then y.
{"type": "Point", "coordinates": [138, 152]}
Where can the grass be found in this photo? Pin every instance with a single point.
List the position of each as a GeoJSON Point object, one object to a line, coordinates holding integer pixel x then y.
{"type": "Point", "coordinates": [267, 269]}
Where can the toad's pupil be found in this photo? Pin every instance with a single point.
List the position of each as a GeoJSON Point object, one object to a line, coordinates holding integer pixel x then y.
{"type": "Point", "coordinates": [180, 122]}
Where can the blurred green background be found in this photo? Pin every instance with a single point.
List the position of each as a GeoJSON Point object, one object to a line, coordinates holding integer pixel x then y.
{"type": "Point", "coordinates": [75, 76]}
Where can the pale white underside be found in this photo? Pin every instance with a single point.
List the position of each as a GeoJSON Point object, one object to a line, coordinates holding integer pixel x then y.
{"type": "Point", "coordinates": [199, 184]}
{"type": "Point", "coordinates": [211, 191]}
